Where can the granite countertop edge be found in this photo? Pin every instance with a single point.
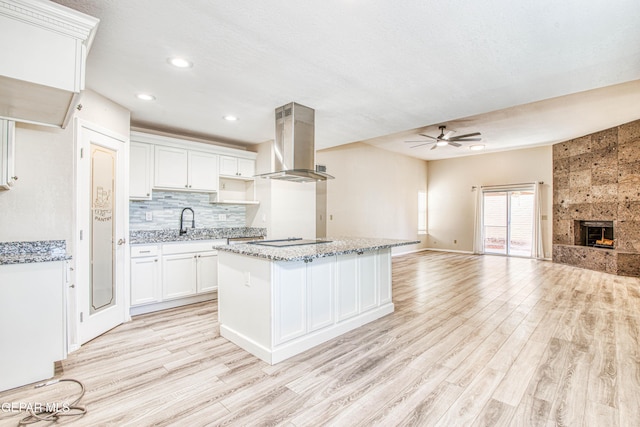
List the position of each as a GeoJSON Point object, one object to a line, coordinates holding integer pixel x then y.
{"type": "Point", "coordinates": [33, 252]}
{"type": "Point", "coordinates": [285, 254]}
{"type": "Point", "coordinates": [140, 237]}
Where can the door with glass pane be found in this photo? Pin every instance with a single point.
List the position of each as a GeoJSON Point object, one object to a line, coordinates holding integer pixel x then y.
{"type": "Point", "coordinates": [508, 222]}
{"type": "Point", "coordinates": [100, 264]}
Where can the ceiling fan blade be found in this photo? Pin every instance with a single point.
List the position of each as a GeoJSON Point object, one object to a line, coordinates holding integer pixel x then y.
{"type": "Point", "coordinates": [420, 145]}
{"type": "Point", "coordinates": [434, 146]}
{"type": "Point", "coordinates": [422, 140]}
{"type": "Point", "coordinates": [455, 144]}
{"type": "Point", "coordinates": [455, 138]}
{"type": "Point", "coordinates": [468, 139]}
{"type": "Point", "coordinates": [428, 136]}
{"type": "Point", "coordinates": [448, 134]}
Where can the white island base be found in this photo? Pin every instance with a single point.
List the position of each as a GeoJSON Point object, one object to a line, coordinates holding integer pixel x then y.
{"type": "Point", "coordinates": [277, 309]}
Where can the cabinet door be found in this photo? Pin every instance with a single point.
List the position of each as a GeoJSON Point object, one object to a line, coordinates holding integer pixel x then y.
{"type": "Point", "coordinates": [170, 168]}
{"type": "Point", "coordinates": [347, 286]}
{"type": "Point", "coordinates": [320, 285]}
{"type": "Point", "coordinates": [246, 168]}
{"type": "Point", "coordinates": [228, 165]}
{"type": "Point", "coordinates": [140, 166]}
{"type": "Point", "coordinates": [145, 275]}
{"type": "Point", "coordinates": [384, 275]}
{"type": "Point", "coordinates": [7, 145]}
{"type": "Point", "coordinates": [207, 272]}
{"type": "Point", "coordinates": [289, 301]}
{"type": "Point", "coordinates": [367, 281]}
{"type": "Point", "coordinates": [203, 171]}
{"type": "Point", "coordinates": [178, 275]}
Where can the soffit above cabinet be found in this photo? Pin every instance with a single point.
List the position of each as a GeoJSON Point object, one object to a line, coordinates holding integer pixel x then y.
{"type": "Point", "coordinates": [44, 49]}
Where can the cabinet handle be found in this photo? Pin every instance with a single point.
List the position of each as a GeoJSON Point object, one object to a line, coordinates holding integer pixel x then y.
{"type": "Point", "coordinates": [14, 178]}
{"type": "Point", "coordinates": [147, 194]}
{"type": "Point", "coordinates": [186, 186]}
{"type": "Point", "coordinates": [155, 260]}
{"type": "Point", "coordinates": [144, 252]}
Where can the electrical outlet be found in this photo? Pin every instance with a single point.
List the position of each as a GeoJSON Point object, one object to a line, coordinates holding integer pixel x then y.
{"type": "Point", "coordinates": [247, 278]}
{"type": "Point", "coordinates": [148, 216]}
{"type": "Point", "coordinates": [455, 242]}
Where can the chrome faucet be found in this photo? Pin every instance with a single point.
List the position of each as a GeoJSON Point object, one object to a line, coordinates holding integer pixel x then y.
{"type": "Point", "coordinates": [193, 220]}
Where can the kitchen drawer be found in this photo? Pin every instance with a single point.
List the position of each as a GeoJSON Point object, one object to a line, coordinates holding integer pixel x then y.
{"type": "Point", "coordinates": [196, 246]}
{"type": "Point", "coordinates": [144, 250]}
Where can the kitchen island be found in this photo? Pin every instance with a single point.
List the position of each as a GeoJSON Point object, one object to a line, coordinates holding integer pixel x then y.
{"type": "Point", "coordinates": [276, 302]}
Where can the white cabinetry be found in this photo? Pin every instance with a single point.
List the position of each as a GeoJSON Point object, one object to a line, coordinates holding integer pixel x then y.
{"type": "Point", "coordinates": [296, 305]}
{"type": "Point", "coordinates": [44, 49]}
{"type": "Point", "coordinates": [303, 297]}
{"type": "Point", "coordinates": [33, 312]}
{"type": "Point", "coordinates": [7, 144]}
{"type": "Point", "coordinates": [140, 170]}
{"type": "Point", "coordinates": [187, 170]}
{"type": "Point", "coordinates": [172, 274]}
{"type": "Point", "coordinates": [237, 167]}
{"type": "Point", "coordinates": [145, 274]}
{"type": "Point", "coordinates": [178, 275]}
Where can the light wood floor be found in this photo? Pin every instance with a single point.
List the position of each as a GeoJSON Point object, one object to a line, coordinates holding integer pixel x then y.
{"type": "Point", "coordinates": [474, 340]}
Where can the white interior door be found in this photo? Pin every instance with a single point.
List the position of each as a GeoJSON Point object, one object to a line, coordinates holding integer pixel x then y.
{"type": "Point", "coordinates": [101, 218]}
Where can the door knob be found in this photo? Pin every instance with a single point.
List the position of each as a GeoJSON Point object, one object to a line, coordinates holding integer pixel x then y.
{"type": "Point", "coordinates": [121, 242]}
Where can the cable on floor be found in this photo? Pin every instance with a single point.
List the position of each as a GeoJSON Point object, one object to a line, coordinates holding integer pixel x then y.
{"type": "Point", "coordinates": [52, 412]}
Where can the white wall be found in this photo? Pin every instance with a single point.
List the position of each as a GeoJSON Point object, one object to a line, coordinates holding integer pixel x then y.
{"type": "Point", "coordinates": [40, 204]}
{"type": "Point", "coordinates": [374, 193]}
{"type": "Point", "coordinates": [451, 202]}
{"type": "Point", "coordinates": [287, 209]}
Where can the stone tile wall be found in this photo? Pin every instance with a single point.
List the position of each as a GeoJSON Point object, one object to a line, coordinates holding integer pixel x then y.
{"type": "Point", "coordinates": [597, 177]}
{"type": "Point", "coordinates": [166, 207]}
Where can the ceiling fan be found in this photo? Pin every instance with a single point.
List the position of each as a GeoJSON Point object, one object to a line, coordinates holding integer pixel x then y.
{"type": "Point", "coordinates": [446, 139]}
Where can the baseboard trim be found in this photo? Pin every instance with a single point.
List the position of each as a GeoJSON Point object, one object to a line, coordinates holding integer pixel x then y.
{"type": "Point", "coordinates": [449, 250]}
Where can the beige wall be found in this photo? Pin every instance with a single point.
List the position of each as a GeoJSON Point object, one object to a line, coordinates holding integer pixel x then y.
{"type": "Point", "coordinates": [40, 204]}
{"type": "Point", "coordinates": [374, 193]}
{"type": "Point", "coordinates": [451, 202]}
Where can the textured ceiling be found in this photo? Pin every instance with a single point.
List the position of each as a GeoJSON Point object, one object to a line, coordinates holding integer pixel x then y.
{"type": "Point", "coordinates": [371, 68]}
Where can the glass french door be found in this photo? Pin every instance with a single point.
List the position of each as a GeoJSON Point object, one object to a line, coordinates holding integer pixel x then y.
{"type": "Point", "coordinates": [508, 222]}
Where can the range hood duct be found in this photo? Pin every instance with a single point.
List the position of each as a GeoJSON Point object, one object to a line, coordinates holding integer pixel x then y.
{"type": "Point", "coordinates": [294, 147]}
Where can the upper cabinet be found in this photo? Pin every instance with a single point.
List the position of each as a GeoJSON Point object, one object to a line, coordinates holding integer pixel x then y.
{"type": "Point", "coordinates": [44, 50]}
{"type": "Point", "coordinates": [182, 169]}
{"type": "Point", "coordinates": [140, 171]}
{"type": "Point", "coordinates": [236, 167]}
{"type": "Point", "coordinates": [166, 163]}
{"type": "Point", "coordinates": [7, 141]}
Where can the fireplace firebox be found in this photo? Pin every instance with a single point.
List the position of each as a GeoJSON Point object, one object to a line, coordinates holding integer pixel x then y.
{"type": "Point", "coordinates": [598, 234]}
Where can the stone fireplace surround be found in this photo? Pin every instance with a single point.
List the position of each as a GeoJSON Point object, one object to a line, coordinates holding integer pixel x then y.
{"type": "Point", "coordinates": [597, 178]}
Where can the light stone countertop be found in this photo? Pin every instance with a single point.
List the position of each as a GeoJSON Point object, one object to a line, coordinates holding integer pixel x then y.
{"type": "Point", "coordinates": [173, 235]}
{"type": "Point", "coordinates": [35, 251]}
{"type": "Point", "coordinates": [336, 246]}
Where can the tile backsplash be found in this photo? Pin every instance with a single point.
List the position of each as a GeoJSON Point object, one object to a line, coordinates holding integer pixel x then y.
{"type": "Point", "coordinates": [166, 207]}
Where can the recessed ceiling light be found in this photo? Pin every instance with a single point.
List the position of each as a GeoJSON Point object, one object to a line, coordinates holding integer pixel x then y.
{"type": "Point", "coordinates": [145, 97]}
{"type": "Point", "coordinates": [476, 147]}
{"type": "Point", "coordinates": [180, 62]}
{"type": "Point", "coordinates": [230, 118]}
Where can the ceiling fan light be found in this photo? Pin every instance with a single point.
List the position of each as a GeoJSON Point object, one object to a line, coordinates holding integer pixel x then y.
{"type": "Point", "coordinates": [441, 143]}
{"type": "Point", "coordinates": [477, 147]}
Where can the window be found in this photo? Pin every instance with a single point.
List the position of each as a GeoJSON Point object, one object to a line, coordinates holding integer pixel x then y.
{"type": "Point", "coordinates": [508, 222]}
{"type": "Point", "coordinates": [422, 212]}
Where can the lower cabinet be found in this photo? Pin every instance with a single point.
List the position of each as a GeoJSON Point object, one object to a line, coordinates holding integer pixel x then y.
{"type": "Point", "coordinates": [163, 274]}
{"type": "Point", "coordinates": [321, 292]}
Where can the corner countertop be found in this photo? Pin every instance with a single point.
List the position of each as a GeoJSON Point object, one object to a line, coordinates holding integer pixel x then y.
{"type": "Point", "coordinates": [334, 246]}
{"type": "Point", "coordinates": [35, 251]}
{"type": "Point", "coordinates": [173, 235]}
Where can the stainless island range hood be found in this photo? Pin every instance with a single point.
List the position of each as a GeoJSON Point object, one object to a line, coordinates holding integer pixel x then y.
{"type": "Point", "coordinates": [294, 147]}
